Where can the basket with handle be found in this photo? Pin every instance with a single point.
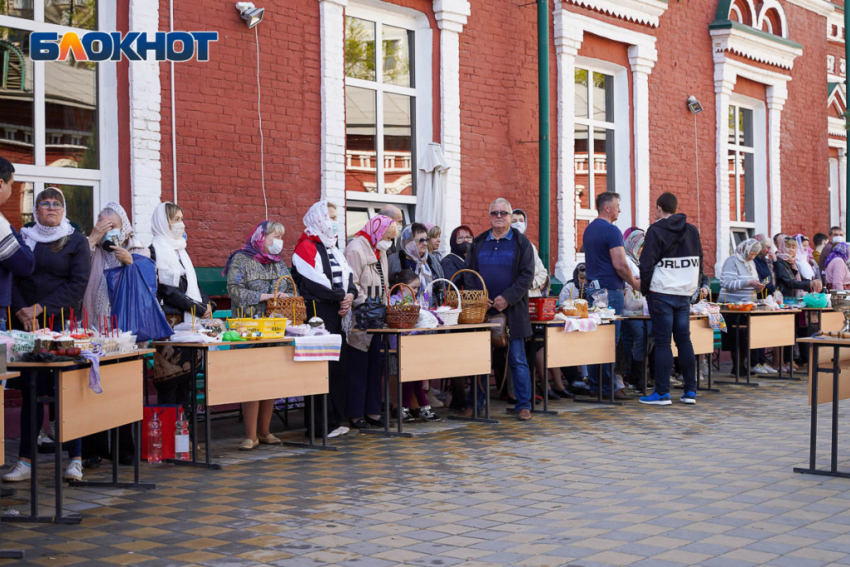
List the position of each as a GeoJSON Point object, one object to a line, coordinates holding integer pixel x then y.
{"type": "Point", "coordinates": [401, 315]}
{"type": "Point", "coordinates": [475, 301]}
{"type": "Point", "coordinates": [449, 318]}
{"type": "Point", "coordinates": [292, 308]}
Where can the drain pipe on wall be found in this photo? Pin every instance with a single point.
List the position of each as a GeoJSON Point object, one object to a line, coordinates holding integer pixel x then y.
{"type": "Point", "coordinates": [173, 112]}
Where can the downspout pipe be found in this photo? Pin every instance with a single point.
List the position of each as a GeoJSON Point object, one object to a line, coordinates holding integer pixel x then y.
{"type": "Point", "coordinates": [544, 143]}
{"type": "Point", "coordinates": [847, 122]}
{"type": "Point", "coordinates": [173, 112]}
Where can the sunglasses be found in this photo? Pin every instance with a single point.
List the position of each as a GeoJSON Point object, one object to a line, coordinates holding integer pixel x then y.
{"type": "Point", "coordinates": [51, 205]}
{"type": "Point", "coordinates": [421, 241]}
{"type": "Point", "coordinates": [500, 213]}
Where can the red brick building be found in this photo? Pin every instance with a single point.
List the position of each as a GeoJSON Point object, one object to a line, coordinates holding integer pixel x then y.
{"type": "Point", "coordinates": [358, 98]}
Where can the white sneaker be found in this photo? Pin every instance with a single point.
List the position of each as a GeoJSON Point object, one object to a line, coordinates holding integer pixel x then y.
{"type": "Point", "coordinates": [74, 470]}
{"type": "Point", "coordinates": [337, 432]}
{"type": "Point", "coordinates": [759, 369]}
{"type": "Point", "coordinates": [769, 368]}
{"type": "Point", "coordinates": [433, 401]}
{"type": "Point", "coordinates": [619, 383]}
{"type": "Point", "coordinates": [20, 473]}
{"type": "Point", "coordinates": [44, 440]}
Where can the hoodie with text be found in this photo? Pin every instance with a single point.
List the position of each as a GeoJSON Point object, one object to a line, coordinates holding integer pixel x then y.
{"type": "Point", "coordinates": [672, 257]}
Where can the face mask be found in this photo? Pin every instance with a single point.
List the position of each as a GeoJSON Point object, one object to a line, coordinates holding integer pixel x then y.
{"type": "Point", "coordinates": [837, 239]}
{"type": "Point", "coordinates": [463, 248]}
{"type": "Point", "coordinates": [178, 229]}
{"type": "Point", "coordinates": [276, 247]}
{"type": "Point", "coordinates": [519, 226]}
{"type": "Point", "coordinates": [113, 236]}
{"type": "Point", "coordinates": [334, 227]}
{"type": "Point", "coordinates": [384, 245]}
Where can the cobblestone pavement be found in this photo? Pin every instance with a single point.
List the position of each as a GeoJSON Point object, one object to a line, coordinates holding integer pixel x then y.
{"type": "Point", "coordinates": [709, 485]}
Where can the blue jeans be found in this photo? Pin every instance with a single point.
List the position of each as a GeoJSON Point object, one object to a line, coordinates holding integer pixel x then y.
{"type": "Point", "coordinates": [671, 318]}
{"type": "Point", "coordinates": [521, 375]}
{"type": "Point", "coordinates": [634, 339]}
{"type": "Point", "coordinates": [616, 300]}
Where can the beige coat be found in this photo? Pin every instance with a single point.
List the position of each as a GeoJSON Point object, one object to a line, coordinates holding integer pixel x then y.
{"type": "Point", "coordinates": [361, 257]}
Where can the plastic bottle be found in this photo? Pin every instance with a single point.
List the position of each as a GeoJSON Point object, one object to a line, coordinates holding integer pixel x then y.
{"type": "Point", "coordinates": [155, 440]}
{"type": "Point", "coordinates": [181, 438]}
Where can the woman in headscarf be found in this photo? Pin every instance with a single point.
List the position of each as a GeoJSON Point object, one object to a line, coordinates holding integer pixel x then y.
{"type": "Point", "coordinates": [251, 274]}
{"type": "Point", "coordinates": [414, 256]}
{"type": "Point", "coordinates": [112, 244]}
{"type": "Point", "coordinates": [56, 285]}
{"type": "Point", "coordinates": [180, 296]}
{"type": "Point", "coordinates": [739, 282]}
{"type": "Point", "coordinates": [326, 282]}
{"type": "Point", "coordinates": [837, 274]}
{"type": "Point", "coordinates": [367, 256]}
{"type": "Point", "coordinates": [805, 260]}
{"type": "Point", "coordinates": [579, 287]}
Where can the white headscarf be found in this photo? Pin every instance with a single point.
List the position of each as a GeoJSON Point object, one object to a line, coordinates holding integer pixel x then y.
{"type": "Point", "coordinates": [743, 251]}
{"type": "Point", "coordinates": [46, 234]}
{"type": "Point", "coordinates": [172, 260]}
{"type": "Point", "coordinates": [318, 223]}
{"type": "Point", "coordinates": [805, 269]}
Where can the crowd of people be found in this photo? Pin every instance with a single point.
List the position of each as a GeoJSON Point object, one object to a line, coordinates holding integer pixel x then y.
{"type": "Point", "coordinates": [50, 267]}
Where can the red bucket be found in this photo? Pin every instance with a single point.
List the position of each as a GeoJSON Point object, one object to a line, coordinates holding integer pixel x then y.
{"type": "Point", "coordinates": [542, 308]}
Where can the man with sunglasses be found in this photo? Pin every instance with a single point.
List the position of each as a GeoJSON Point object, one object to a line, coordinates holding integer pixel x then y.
{"type": "Point", "coordinates": [504, 258]}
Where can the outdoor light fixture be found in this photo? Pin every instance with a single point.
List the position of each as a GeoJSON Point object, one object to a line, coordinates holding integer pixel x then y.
{"type": "Point", "coordinates": [693, 104]}
{"type": "Point", "coordinates": [250, 13]}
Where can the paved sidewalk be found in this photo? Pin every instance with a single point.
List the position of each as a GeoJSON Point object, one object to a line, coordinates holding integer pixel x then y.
{"type": "Point", "coordinates": [709, 485]}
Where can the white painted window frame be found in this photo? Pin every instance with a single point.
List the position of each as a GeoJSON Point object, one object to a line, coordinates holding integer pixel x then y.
{"type": "Point", "coordinates": [104, 181]}
{"type": "Point", "coordinates": [418, 23]}
{"type": "Point", "coordinates": [759, 153]}
{"type": "Point", "coordinates": [621, 127]}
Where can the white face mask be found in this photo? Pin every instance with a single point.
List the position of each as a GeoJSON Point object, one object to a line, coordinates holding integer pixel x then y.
{"type": "Point", "coordinates": [520, 226]}
{"type": "Point", "coordinates": [384, 245]}
{"type": "Point", "coordinates": [178, 229]}
{"type": "Point", "coordinates": [276, 246]}
{"type": "Point", "coordinates": [837, 239]}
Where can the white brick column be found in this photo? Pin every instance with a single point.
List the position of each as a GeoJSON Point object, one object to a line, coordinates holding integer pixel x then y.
{"type": "Point", "coordinates": [568, 39]}
{"type": "Point", "coordinates": [145, 119]}
{"type": "Point", "coordinates": [723, 89]}
{"type": "Point", "coordinates": [332, 32]}
{"type": "Point", "coordinates": [776, 96]}
{"type": "Point", "coordinates": [642, 59]}
{"type": "Point", "coordinates": [451, 16]}
{"type": "Point", "coordinates": [842, 188]}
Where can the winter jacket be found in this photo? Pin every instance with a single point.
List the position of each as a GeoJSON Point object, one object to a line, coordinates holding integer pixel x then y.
{"type": "Point", "coordinates": [671, 261]}
{"type": "Point", "coordinates": [311, 290]}
{"type": "Point", "coordinates": [522, 274]}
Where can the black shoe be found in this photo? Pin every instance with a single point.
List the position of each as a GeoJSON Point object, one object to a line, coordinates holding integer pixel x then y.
{"type": "Point", "coordinates": [563, 394]}
{"type": "Point", "coordinates": [92, 462]}
{"type": "Point", "coordinates": [376, 422]}
{"type": "Point", "coordinates": [125, 459]}
{"type": "Point", "coordinates": [359, 423]}
{"type": "Point", "coordinates": [553, 395]}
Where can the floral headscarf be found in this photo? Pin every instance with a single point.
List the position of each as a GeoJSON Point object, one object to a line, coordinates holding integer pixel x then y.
{"type": "Point", "coordinates": [743, 251]}
{"type": "Point", "coordinates": [318, 223]}
{"type": "Point", "coordinates": [839, 250]}
{"type": "Point", "coordinates": [253, 248]}
{"type": "Point", "coordinates": [374, 231]}
{"type": "Point", "coordinates": [634, 242]}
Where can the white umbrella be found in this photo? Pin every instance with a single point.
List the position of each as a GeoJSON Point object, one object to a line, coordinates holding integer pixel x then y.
{"type": "Point", "coordinates": [433, 202]}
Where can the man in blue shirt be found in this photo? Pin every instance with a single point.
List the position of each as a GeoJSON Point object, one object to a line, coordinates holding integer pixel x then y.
{"type": "Point", "coordinates": [605, 257]}
{"type": "Point", "coordinates": [505, 259]}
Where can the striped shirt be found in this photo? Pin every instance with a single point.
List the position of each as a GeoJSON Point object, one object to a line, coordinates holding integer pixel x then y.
{"type": "Point", "coordinates": [336, 272]}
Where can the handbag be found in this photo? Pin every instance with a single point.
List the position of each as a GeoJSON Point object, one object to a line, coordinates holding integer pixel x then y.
{"type": "Point", "coordinates": [498, 334]}
{"type": "Point", "coordinates": [372, 313]}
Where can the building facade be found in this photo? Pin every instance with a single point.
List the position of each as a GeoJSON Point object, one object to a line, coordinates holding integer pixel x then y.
{"type": "Point", "coordinates": [431, 105]}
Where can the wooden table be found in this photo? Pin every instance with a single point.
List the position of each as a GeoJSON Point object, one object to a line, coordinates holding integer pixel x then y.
{"type": "Point", "coordinates": [246, 374]}
{"type": "Point", "coordinates": [6, 553]}
{"type": "Point", "coordinates": [579, 349]}
{"type": "Point", "coordinates": [765, 329]}
{"type": "Point", "coordinates": [81, 412]}
{"type": "Point", "coordinates": [829, 320]}
{"type": "Point", "coordinates": [432, 354]}
{"type": "Point", "coordinates": [702, 339]}
{"type": "Point", "coordinates": [814, 371]}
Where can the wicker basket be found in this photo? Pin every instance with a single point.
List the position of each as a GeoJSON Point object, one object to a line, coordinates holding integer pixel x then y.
{"type": "Point", "coordinates": [292, 308]}
{"type": "Point", "coordinates": [449, 318]}
{"type": "Point", "coordinates": [475, 302]}
{"type": "Point", "coordinates": [402, 316]}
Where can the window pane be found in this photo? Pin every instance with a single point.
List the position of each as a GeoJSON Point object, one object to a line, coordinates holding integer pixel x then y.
{"type": "Point", "coordinates": [398, 56]}
{"type": "Point", "coordinates": [398, 144]}
{"type": "Point", "coordinates": [360, 49]}
{"type": "Point", "coordinates": [603, 161]}
{"type": "Point", "coordinates": [79, 204]}
{"type": "Point", "coordinates": [355, 220]}
{"type": "Point", "coordinates": [581, 226]}
{"type": "Point", "coordinates": [17, 8]}
{"type": "Point", "coordinates": [16, 97]}
{"type": "Point", "coordinates": [582, 169]}
{"type": "Point", "coordinates": [581, 94]}
{"type": "Point", "coordinates": [745, 127]}
{"type": "Point", "coordinates": [733, 133]}
{"type": "Point", "coordinates": [71, 114]}
{"type": "Point", "coordinates": [361, 139]}
{"type": "Point", "coordinates": [72, 13]}
{"type": "Point", "coordinates": [733, 186]}
{"type": "Point", "coordinates": [748, 188]}
{"type": "Point", "coordinates": [603, 97]}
